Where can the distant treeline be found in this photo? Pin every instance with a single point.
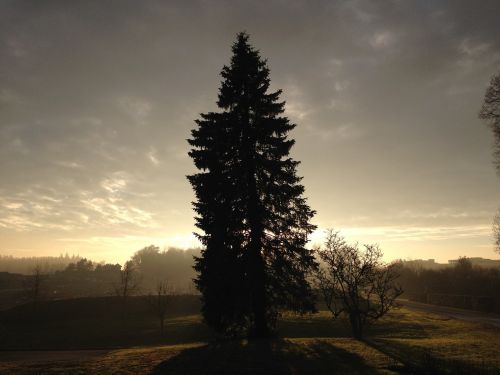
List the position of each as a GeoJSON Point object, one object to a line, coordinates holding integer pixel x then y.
{"type": "Point", "coordinates": [73, 277]}
{"type": "Point", "coordinates": [25, 265]}
{"type": "Point", "coordinates": [463, 285]}
{"type": "Point", "coordinates": [173, 265]}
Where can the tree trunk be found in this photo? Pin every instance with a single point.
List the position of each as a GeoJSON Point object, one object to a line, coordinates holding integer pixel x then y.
{"type": "Point", "coordinates": [257, 274]}
{"type": "Point", "coordinates": [259, 307]}
{"type": "Point", "coordinates": [356, 325]}
{"type": "Point", "coordinates": [256, 262]}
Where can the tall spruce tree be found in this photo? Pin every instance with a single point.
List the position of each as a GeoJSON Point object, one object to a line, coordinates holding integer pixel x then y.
{"type": "Point", "coordinates": [249, 204]}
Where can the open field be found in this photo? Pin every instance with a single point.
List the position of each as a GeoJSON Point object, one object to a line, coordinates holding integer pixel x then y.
{"type": "Point", "coordinates": [452, 312]}
{"type": "Point", "coordinates": [405, 341]}
{"type": "Point", "coordinates": [280, 356]}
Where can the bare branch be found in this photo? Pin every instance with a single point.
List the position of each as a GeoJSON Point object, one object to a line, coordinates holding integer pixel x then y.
{"type": "Point", "coordinates": [356, 282]}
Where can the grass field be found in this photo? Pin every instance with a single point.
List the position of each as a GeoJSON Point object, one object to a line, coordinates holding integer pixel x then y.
{"type": "Point", "coordinates": [403, 342]}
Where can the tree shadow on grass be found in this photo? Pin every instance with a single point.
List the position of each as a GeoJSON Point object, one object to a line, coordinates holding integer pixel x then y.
{"type": "Point", "coordinates": [275, 357]}
{"type": "Point", "coordinates": [402, 330]}
{"type": "Point", "coordinates": [313, 326]}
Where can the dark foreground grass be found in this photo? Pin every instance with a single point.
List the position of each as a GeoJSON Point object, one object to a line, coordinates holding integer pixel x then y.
{"type": "Point", "coordinates": [278, 356]}
{"type": "Point", "coordinates": [404, 342]}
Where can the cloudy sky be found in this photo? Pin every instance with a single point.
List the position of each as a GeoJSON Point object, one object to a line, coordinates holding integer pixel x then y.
{"type": "Point", "coordinates": [97, 99]}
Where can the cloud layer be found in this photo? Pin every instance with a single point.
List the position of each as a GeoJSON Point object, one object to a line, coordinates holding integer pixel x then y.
{"type": "Point", "coordinates": [97, 99]}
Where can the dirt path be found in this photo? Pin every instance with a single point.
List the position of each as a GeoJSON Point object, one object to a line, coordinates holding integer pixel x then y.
{"type": "Point", "coordinates": [40, 356]}
{"type": "Point", "coordinates": [469, 315]}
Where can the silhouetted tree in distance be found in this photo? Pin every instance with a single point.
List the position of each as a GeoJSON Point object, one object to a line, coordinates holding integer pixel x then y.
{"type": "Point", "coordinates": [152, 264]}
{"type": "Point", "coordinates": [496, 231]}
{"type": "Point", "coordinates": [159, 302]}
{"type": "Point", "coordinates": [490, 111]}
{"type": "Point", "coordinates": [356, 283]}
{"type": "Point", "coordinates": [35, 285]}
{"type": "Point", "coordinates": [25, 265]}
{"type": "Point", "coordinates": [128, 283]}
{"type": "Point", "coordinates": [461, 278]}
{"type": "Point", "coordinates": [250, 204]}
{"type": "Point", "coordinates": [82, 266]}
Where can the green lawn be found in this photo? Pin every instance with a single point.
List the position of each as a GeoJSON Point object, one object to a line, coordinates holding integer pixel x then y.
{"type": "Point", "coordinates": [405, 341]}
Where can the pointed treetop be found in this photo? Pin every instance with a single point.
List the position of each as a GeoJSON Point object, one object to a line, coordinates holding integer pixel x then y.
{"type": "Point", "coordinates": [246, 77]}
{"type": "Point", "coordinates": [242, 37]}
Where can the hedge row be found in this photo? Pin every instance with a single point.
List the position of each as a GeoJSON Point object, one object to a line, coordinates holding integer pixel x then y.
{"type": "Point", "coordinates": [479, 303]}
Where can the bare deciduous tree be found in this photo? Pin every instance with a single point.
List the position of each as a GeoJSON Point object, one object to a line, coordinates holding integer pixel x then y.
{"type": "Point", "coordinates": [356, 283]}
{"type": "Point", "coordinates": [496, 231]}
{"type": "Point", "coordinates": [129, 282]}
{"type": "Point", "coordinates": [490, 112]}
{"type": "Point", "coordinates": [160, 302]}
{"type": "Point", "coordinates": [34, 285]}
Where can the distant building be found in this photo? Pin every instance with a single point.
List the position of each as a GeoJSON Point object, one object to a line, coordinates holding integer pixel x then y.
{"type": "Point", "coordinates": [481, 262]}
{"type": "Point", "coordinates": [433, 265]}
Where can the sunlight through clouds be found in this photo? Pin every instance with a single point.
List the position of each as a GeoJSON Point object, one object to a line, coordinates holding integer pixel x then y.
{"type": "Point", "coordinates": [385, 96]}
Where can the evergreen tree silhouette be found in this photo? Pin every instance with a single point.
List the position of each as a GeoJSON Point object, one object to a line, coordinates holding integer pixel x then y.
{"type": "Point", "coordinates": [250, 204]}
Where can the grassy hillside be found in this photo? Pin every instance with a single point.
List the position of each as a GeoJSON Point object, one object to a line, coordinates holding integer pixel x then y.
{"type": "Point", "coordinates": [101, 322]}
{"type": "Point", "coordinates": [404, 341]}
